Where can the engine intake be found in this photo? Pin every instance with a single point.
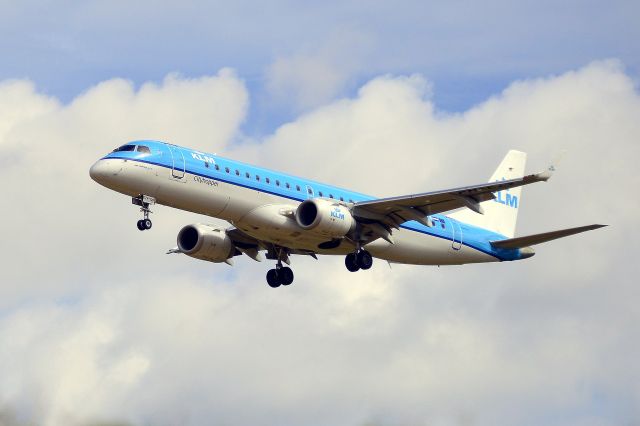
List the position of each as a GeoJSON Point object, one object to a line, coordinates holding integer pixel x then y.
{"type": "Point", "coordinates": [205, 242]}
{"type": "Point", "coordinates": [324, 217]}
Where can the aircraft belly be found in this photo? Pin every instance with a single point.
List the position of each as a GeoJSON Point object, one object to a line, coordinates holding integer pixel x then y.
{"type": "Point", "coordinates": [422, 249]}
{"type": "Point", "coordinates": [241, 201]}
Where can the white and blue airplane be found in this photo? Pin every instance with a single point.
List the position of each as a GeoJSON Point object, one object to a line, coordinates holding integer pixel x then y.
{"type": "Point", "coordinates": [286, 215]}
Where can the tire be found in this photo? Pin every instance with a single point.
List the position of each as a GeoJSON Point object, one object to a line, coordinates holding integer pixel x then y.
{"type": "Point", "coordinates": [365, 260]}
{"type": "Point", "coordinates": [273, 278]}
{"type": "Point", "coordinates": [141, 225]}
{"type": "Point", "coordinates": [147, 223]}
{"type": "Point", "coordinates": [351, 262]}
{"type": "Point", "coordinates": [286, 275]}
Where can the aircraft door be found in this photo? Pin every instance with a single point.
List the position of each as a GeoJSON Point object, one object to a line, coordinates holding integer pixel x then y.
{"type": "Point", "coordinates": [310, 193]}
{"type": "Point", "coordinates": [177, 161]}
{"type": "Point", "coordinates": [456, 235]}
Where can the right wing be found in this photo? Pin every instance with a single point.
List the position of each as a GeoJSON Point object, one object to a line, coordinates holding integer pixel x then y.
{"type": "Point", "coordinates": [394, 211]}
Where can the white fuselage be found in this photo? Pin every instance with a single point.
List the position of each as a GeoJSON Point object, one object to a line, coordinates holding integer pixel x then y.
{"type": "Point", "coordinates": [264, 216]}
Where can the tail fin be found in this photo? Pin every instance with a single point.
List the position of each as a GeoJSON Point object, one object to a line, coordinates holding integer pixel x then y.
{"type": "Point", "coordinates": [500, 215]}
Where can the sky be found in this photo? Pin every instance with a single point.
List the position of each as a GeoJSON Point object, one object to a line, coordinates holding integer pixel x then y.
{"type": "Point", "coordinates": [98, 326]}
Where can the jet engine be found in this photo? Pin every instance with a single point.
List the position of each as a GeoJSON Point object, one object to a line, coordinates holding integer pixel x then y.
{"type": "Point", "coordinates": [324, 217]}
{"type": "Point", "coordinates": [205, 242]}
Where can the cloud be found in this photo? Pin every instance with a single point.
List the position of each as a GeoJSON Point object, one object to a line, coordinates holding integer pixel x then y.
{"type": "Point", "coordinates": [469, 48]}
{"type": "Point", "coordinates": [97, 325]}
{"type": "Point", "coordinates": [314, 77]}
{"type": "Point", "coordinates": [47, 148]}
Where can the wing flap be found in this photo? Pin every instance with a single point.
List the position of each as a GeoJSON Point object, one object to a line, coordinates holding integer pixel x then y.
{"type": "Point", "coordinates": [530, 240]}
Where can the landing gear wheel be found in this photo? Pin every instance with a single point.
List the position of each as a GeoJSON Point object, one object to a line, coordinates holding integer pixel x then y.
{"type": "Point", "coordinates": [364, 259]}
{"type": "Point", "coordinates": [144, 201]}
{"type": "Point", "coordinates": [286, 275]}
{"type": "Point", "coordinates": [351, 262]}
{"type": "Point", "coordinates": [273, 278]}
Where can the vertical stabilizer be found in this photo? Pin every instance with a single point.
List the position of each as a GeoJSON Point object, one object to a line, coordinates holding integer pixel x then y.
{"type": "Point", "coordinates": [500, 215]}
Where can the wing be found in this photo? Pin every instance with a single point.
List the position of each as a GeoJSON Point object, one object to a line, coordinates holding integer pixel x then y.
{"type": "Point", "coordinates": [394, 211]}
{"type": "Point", "coordinates": [246, 244]}
{"type": "Point", "coordinates": [252, 247]}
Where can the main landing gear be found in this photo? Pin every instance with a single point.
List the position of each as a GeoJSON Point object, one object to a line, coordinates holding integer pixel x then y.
{"type": "Point", "coordinates": [279, 276]}
{"type": "Point", "coordinates": [361, 259]}
{"type": "Point", "coordinates": [144, 201]}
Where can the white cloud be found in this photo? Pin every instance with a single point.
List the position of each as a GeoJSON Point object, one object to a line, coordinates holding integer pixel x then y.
{"type": "Point", "coordinates": [46, 146]}
{"type": "Point", "coordinates": [316, 76]}
{"type": "Point", "coordinates": [97, 325]}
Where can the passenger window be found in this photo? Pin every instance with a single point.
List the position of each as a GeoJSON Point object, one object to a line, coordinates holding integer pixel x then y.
{"type": "Point", "coordinates": [258, 178]}
{"type": "Point", "coordinates": [277, 182]}
{"type": "Point", "coordinates": [330, 195]}
{"type": "Point", "coordinates": [206, 164]}
{"type": "Point", "coordinates": [226, 169]}
{"type": "Point", "coordinates": [297, 187]}
{"type": "Point", "coordinates": [237, 172]}
{"type": "Point", "coordinates": [143, 149]}
{"type": "Point", "coordinates": [247, 175]}
{"type": "Point", "coordinates": [350, 200]}
{"type": "Point", "coordinates": [319, 193]}
{"type": "Point", "coordinates": [217, 167]}
{"type": "Point", "coordinates": [309, 191]}
{"type": "Point", "coordinates": [288, 186]}
{"type": "Point", "coordinates": [267, 180]}
{"type": "Point", "coordinates": [341, 199]}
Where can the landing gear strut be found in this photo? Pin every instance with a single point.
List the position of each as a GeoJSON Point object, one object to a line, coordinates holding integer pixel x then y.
{"type": "Point", "coordinates": [361, 259]}
{"type": "Point", "coordinates": [279, 276]}
{"type": "Point", "coordinates": [144, 201]}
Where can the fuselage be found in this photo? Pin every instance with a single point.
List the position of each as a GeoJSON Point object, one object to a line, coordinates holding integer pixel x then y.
{"type": "Point", "coordinates": [253, 200]}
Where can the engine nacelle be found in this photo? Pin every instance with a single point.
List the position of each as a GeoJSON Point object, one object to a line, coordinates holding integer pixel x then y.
{"type": "Point", "coordinates": [324, 217]}
{"type": "Point", "coordinates": [205, 242]}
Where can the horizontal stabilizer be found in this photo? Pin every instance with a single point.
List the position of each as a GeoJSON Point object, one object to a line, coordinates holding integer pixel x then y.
{"type": "Point", "coordinates": [530, 240]}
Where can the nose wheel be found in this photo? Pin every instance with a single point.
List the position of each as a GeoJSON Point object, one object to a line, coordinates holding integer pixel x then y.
{"type": "Point", "coordinates": [361, 259]}
{"type": "Point", "coordinates": [144, 224]}
{"type": "Point", "coordinates": [144, 201]}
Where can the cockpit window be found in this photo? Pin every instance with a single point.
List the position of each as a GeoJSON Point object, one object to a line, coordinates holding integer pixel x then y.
{"type": "Point", "coordinates": [143, 149]}
{"type": "Point", "coordinates": [125, 148]}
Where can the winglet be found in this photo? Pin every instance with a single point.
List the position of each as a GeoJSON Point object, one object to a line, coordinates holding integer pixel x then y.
{"type": "Point", "coordinates": [546, 175]}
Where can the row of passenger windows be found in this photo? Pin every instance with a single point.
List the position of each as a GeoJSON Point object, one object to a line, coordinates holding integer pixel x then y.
{"type": "Point", "coordinates": [277, 182]}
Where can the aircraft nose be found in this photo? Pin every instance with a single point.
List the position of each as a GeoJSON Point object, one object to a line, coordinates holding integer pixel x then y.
{"type": "Point", "coordinates": [97, 171]}
{"type": "Point", "coordinates": [103, 170]}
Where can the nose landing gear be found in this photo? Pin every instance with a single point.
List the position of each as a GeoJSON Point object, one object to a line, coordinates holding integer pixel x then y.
{"type": "Point", "coordinates": [144, 201]}
{"type": "Point", "coordinates": [144, 224]}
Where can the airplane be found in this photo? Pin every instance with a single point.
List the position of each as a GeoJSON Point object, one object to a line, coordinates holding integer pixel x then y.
{"type": "Point", "coordinates": [284, 215]}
